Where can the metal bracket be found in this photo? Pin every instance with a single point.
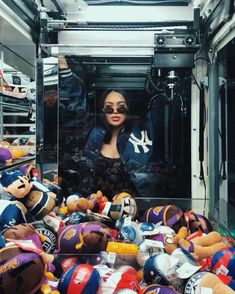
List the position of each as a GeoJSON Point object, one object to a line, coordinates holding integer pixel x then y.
{"type": "Point", "coordinates": [222, 81]}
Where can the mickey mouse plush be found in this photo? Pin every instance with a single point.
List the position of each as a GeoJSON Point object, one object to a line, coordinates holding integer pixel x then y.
{"type": "Point", "coordinates": [37, 199]}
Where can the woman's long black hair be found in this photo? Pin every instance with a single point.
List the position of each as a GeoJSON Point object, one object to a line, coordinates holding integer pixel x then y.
{"type": "Point", "coordinates": [103, 122]}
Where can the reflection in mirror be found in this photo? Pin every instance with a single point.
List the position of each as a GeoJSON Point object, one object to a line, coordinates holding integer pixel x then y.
{"type": "Point", "coordinates": [149, 154]}
{"type": "Point", "coordinates": [50, 117]}
{"type": "Point", "coordinates": [18, 115]}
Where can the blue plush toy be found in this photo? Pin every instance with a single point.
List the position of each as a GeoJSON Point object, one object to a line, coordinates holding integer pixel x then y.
{"type": "Point", "coordinates": [36, 197]}
{"type": "Point", "coordinates": [11, 214]}
{"type": "Point", "coordinates": [2, 242]}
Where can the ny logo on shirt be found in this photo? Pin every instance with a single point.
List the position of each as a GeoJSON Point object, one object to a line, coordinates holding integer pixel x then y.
{"type": "Point", "coordinates": [142, 142]}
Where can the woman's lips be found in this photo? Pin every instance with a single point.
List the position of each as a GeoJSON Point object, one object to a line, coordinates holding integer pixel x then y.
{"type": "Point", "coordinates": [115, 118]}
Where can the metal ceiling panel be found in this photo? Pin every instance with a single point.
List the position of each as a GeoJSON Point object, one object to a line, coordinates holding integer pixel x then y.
{"type": "Point", "coordinates": [128, 14]}
{"type": "Point", "coordinates": [18, 46]}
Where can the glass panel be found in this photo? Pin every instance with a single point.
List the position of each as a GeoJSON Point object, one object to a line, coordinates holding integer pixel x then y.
{"type": "Point", "coordinates": [152, 155]}
{"type": "Point", "coordinates": [138, 2]}
{"type": "Point", "coordinates": [50, 117]}
{"type": "Point", "coordinates": [18, 115]}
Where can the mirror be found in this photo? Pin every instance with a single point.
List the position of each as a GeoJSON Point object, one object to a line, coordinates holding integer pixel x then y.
{"type": "Point", "coordinates": [18, 116]}
{"type": "Point", "coordinates": [157, 100]}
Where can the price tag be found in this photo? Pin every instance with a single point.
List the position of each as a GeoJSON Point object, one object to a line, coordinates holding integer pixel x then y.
{"type": "Point", "coordinates": [222, 270]}
{"type": "Point", "coordinates": [206, 290]}
{"type": "Point", "coordinates": [127, 221]}
{"type": "Point", "coordinates": [106, 208]}
{"type": "Point", "coordinates": [40, 186]}
{"type": "Point", "coordinates": [111, 258]}
{"type": "Point", "coordinates": [187, 270]}
{"type": "Point", "coordinates": [53, 222]}
{"type": "Point", "coordinates": [153, 243]}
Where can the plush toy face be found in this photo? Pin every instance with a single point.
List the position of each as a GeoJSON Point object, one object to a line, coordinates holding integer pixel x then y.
{"type": "Point", "coordinates": [19, 188]}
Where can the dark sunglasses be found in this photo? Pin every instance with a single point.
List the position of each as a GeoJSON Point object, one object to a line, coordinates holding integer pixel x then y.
{"type": "Point", "coordinates": [120, 109]}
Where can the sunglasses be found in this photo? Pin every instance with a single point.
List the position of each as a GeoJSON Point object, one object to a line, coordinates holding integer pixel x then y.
{"type": "Point", "coordinates": [120, 110]}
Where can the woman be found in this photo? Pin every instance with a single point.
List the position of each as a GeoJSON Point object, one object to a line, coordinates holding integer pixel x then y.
{"type": "Point", "coordinates": [119, 148]}
{"type": "Point", "coordinates": [117, 153]}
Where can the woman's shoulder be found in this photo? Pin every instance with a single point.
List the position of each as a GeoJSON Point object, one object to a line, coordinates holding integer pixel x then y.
{"type": "Point", "coordinates": [137, 125]}
{"type": "Point", "coordinates": [97, 130]}
{"type": "Point", "coordinates": [97, 134]}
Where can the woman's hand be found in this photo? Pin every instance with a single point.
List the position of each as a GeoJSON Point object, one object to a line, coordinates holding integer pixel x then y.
{"type": "Point", "coordinates": [63, 64]}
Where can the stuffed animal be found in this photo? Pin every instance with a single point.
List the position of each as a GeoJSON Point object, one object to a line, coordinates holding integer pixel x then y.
{"type": "Point", "coordinates": [82, 278]}
{"type": "Point", "coordinates": [11, 153]}
{"type": "Point", "coordinates": [200, 247]}
{"type": "Point", "coordinates": [123, 205]}
{"type": "Point", "coordinates": [11, 213]}
{"type": "Point", "coordinates": [203, 246]}
{"type": "Point", "coordinates": [223, 262]}
{"type": "Point", "coordinates": [81, 204]}
{"type": "Point", "coordinates": [75, 203]}
{"type": "Point", "coordinates": [26, 231]}
{"type": "Point", "coordinates": [85, 238]}
{"type": "Point", "coordinates": [16, 184]}
{"type": "Point", "coordinates": [167, 215]}
{"type": "Point", "coordinates": [38, 200]}
{"type": "Point", "coordinates": [119, 280]}
{"type": "Point", "coordinates": [21, 232]}
{"type": "Point", "coordinates": [197, 222]}
{"type": "Point", "coordinates": [99, 201]}
{"type": "Point", "coordinates": [158, 269]}
{"type": "Point", "coordinates": [22, 268]}
{"type": "Point", "coordinates": [213, 282]}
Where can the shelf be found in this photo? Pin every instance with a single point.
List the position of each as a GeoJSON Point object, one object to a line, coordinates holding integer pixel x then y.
{"type": "Point", "coordinates": [16, 162]}
{"type": "Point", "coordinates": [15, 99]}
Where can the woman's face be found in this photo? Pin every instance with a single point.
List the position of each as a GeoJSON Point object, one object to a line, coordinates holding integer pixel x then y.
{"type": "Point", "coordinates": [115, 109]}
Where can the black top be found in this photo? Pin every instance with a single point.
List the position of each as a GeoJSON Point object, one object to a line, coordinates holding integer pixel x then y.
{"type": "Point", "coordinates": [111, 177]}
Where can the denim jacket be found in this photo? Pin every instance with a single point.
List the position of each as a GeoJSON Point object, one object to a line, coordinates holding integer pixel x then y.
{"type": "Point", "coordinates": [135, 149]}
